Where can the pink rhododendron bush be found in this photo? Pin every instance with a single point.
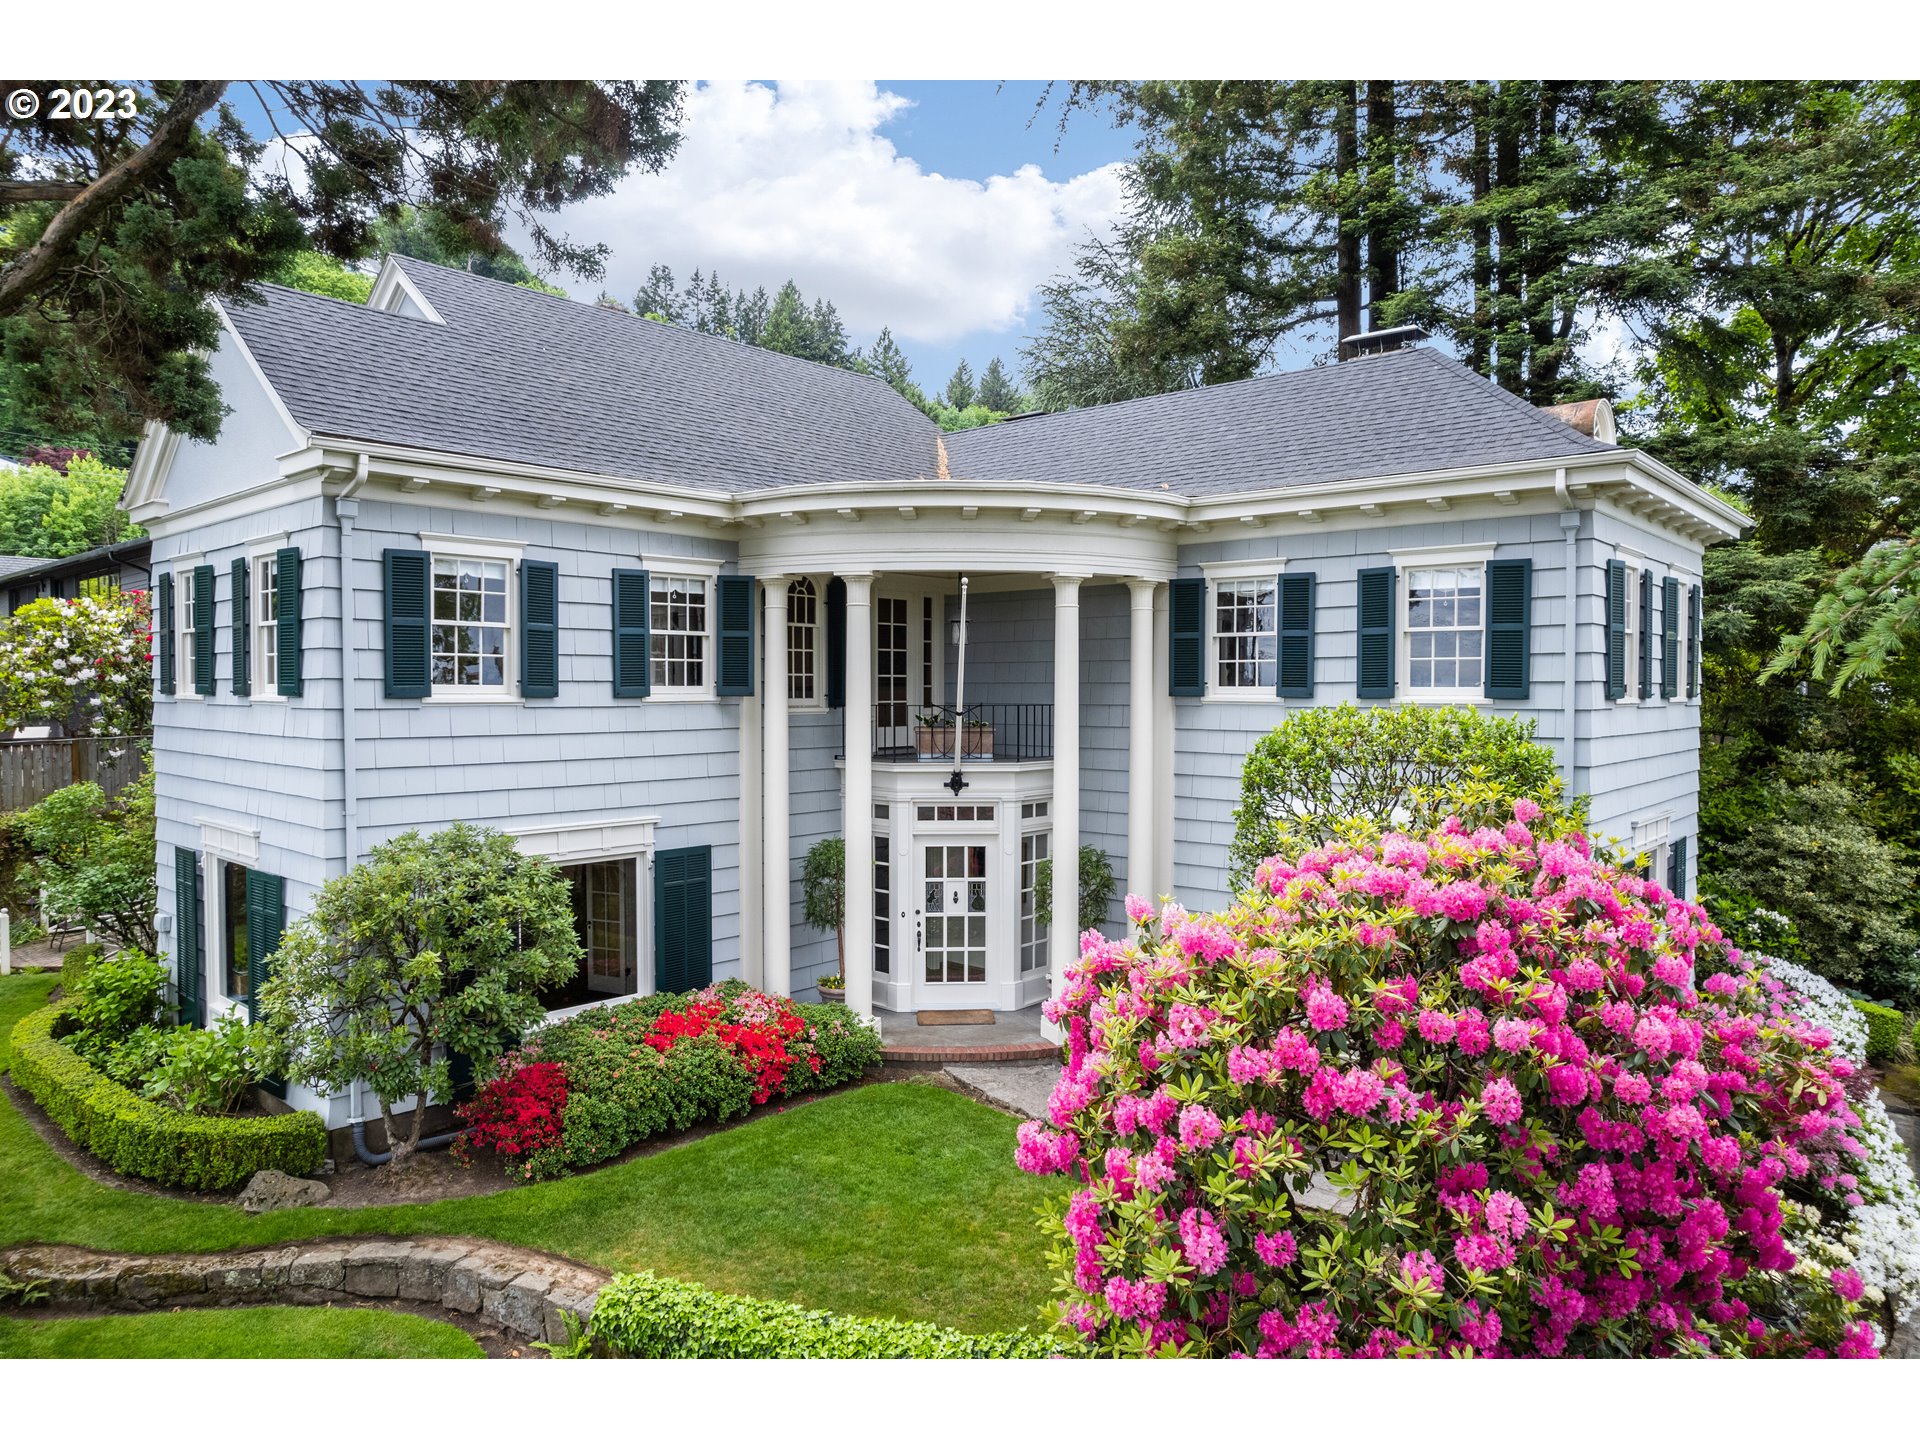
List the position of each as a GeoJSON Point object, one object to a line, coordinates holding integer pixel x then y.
{"type": "Point", "coordinates": [1443, 1096]}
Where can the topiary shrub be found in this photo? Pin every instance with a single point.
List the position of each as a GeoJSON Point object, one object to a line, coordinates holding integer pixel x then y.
{"type": "Point", "coordinates": [1340, 772]}
{"type": "Point", "coordinates": [1440, 1095]}
{"type": "Point", "coordinates": [645, 1317]}
{"type": "Point", "coordinates": [1884, 1029]}
{"type": "Point", "coordinates": [137, 1137]}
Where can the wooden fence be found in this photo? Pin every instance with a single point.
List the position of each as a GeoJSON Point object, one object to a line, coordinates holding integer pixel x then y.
{"type": "Point", "coordinates": [31, 770]}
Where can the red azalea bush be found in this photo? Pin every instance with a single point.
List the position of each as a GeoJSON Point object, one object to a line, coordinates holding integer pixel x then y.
{"type": "Point", "coordinates": [517, 1113]}
{"type": "Point", "coordinates": [1437, 1096]}
{"type": "Point", "coordinates": [662, 1064]}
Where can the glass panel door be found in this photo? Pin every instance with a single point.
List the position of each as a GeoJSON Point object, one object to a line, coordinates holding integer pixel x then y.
{"type": "Point", "coordinates": [604, 907]}
{"type": "Point", "coordinates": [955, 882]}
{"type": "Point", "coordinates": [892, 723]}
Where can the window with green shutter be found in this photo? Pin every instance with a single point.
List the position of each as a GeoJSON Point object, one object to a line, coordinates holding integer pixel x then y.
{"type": "Point", "coordinates": [539, 629]}
{"type": "Point", "coordinates": [1677, 867]}
{"type": "Point", "coordinates": [266, 916]}
{"type": "Point", "coordinates": [1669, 637]}
{"type": "Point", "coordinates": [836, 644]}
{"type": "Point", "coordinates": [1374, 667]}
{"type": "Point", "coordinates": [203, 630]}
{"type": "Point", "coordinates": [405, 595]}
{"type": "Point", "coordinates": [1187, 638]}
{"type": "Point", "coordinates": [242, 627]}
{"type": "Point", "coordinates": [189, 954]}
{"type": "Point", "coordinates": [288, 672]}
{"type": "Point", "coordinates": [631, 600]}
{"type": "Point", "coordinates": [1509, 629]}
{"type": "Point", "coordinates": [1645, 692]}
{"type": "Point", "coordinates": [733, 612]}
{"type": "Point", "coordinates": [1616, 629]}
{"type": "Point", "coordinates": [1693, 642]}
{"type": "Point", "coordinates": [1294, 678]}
{"type": "Point", "coordinates": [165, 628]}
{"type": "Point", "coordinates": [683, 919]}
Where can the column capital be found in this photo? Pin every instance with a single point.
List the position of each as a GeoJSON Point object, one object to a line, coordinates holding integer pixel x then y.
{"type": "Point", "coordinates": [1065, 580]}
{"type": "Point", "coordinates": [780, 577]}
{"type": "Point", "coordinates": [1142, 591]}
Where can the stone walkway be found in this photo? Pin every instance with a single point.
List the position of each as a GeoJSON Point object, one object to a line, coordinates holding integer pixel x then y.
{"type": "Point", "coordinates": [1022, 1089]}
{"type": "Point", "coordinates": [524, 1293]}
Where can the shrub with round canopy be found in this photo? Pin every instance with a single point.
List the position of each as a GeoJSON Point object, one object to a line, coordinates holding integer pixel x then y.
{"type": "Point", "coordinates": [1436, 1095]}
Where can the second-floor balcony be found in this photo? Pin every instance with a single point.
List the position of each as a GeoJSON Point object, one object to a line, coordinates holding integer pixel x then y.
{"type": "Point", "coordinates": [983, 733]}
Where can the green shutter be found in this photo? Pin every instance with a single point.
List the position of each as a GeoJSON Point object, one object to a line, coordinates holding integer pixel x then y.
{"type": "Point", "coordinates": [1186, 638]}
{"type": "Point", "coordinates": [1669, 638]}
{"type": "Point", "coordinates": [1677, 867]}
{"type": "Point", "coordinates": [1616, 629]}
{"type": "Point", "coordinates": [836, 644]}
{"type": "Point", "coordinates": [1294, 673]}
{"type": "Point", "coordinates": [632, 678]}
{"type": "Point", "coordinates": [1693, 642]}
{"type": "Point", "coordinates": [189, 959]}
{"type": "Point", "coordinates": [539, 629]}
{"type": "Point", "coordinates": [167, 635]}
{"type": "Point", "coordinates": [1509, 629]}
{"type": "Point", "coordinates": [266, 900]}
{"type": "Point", "coordinates": [288, 677]}
{"type": "Point", "coordinates": [407, 595]}
{"type": "Point", "coordinates": [733, 611]}
{"type": "Point", "coordinates": [242, 614]}
{"type": "Point", "coordinates": [203, 629]}
{"type": "Point", "coordinates": [1645, 691]}
{"type": "Point", "coordinates": [683, 919]}
{"type": "Point", "coordinates": [1375, 662]}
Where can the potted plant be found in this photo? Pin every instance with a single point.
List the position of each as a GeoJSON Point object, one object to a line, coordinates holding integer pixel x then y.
{"type": "Point", "coordinates": [823, 894]}
{"type": "Point", "coordinates": [1096, 889]}
{"type": "Point", "coordinates": [932, 735]}
{"type": "Point", "coordinates": [977, 738]}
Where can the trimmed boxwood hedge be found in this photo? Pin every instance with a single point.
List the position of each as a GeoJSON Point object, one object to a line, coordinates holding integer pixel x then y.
{"type": "Point", "coordinates": [643, 1316]}
{"type": "Point", "coordinates": [1884, 1025]}
{"type": "Point", "coordinates": [137, 1137]}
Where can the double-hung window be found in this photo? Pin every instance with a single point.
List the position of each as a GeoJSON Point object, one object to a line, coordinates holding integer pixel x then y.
{"type": "Point", "coordinates": [1446, 630]}
{"type": "Point", "coordinates": [266, 627]}
{"type": "Point", "coordinates": [1245, 634]}
{"type": "Point", "coordinates": [183, 614]}
{"type": "Point", "coordinates": [470, 638]}
{"type": "Point", "coordinates": [803, 642]}
{"type": "Point", "coordinates": [677, 642]}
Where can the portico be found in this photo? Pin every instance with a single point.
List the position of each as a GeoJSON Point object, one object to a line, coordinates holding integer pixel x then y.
{"type": "Point", "coordinates": [942, 915]}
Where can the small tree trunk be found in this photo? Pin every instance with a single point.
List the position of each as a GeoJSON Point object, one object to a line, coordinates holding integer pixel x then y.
{"type": "Point", "coordinates": [840, 947]}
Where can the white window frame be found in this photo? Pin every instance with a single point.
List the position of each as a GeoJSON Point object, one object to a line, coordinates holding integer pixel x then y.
{"type": "Point", "coordinates": [183, 688]}
{"type": "Point", "coordinates": [1036, 818]}
{"type": "Point", "coordinates": [1653, 836]}
{"type": "Point", "coordinates": [1437, 557]}
{"type": "Point", "coordinates": [264, 682]}
{"type": "Point", "coordinates": [1687, 620]}
{"type": "Point", "coordinates": [680, 569]}
{"type": "Point", "coordinates": [817, 667]}
{"type": "Point", "coordinates": [618, 838]}
{"type": "Point", "coordinates": [499, 552]}
{"type": "Point", "coordinates": [1217, 573]}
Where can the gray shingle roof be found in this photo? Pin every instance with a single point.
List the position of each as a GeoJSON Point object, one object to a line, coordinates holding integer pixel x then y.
{"type": "Point", "coordinates": [521, 376]}
{"type": "Point", "coordinates": [1401, 413]}
{"type": "Point", "coordinates": [14, 564]}
{"type": "Point", "coordinates": [517, 375]}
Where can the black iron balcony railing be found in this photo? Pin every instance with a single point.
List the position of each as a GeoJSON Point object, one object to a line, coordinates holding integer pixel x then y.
{"type": "Point", "coordinates": [933, 733]}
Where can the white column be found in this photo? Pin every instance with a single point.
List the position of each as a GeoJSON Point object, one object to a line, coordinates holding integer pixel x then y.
{"type": "Point", "coordinates": [1162, 750]}
{"type": "Point", "coordinates": [776, 838]}
{"type": "Point", "coordinates": [1064, 944]}
{"type": "Point", "coordinates": [1140, 752]}
{"type": "Point", "coordinates": [856, 817]}
{"type": "Point", "coordinates": [752, 953]}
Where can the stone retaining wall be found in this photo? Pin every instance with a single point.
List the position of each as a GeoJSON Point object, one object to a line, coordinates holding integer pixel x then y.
{"type": "Point", "coordinates": [523, 1292]}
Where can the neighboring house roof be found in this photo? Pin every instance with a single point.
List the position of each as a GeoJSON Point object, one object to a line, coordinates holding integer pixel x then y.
{"type": "Point", "coordinates": [136, 553]}
{"type": "Point", "coordinates": [1402, 413]}
{"type": "Point", "coordinates": [517, 375]}
{"type": "Point", "coordinates": [511, 374]}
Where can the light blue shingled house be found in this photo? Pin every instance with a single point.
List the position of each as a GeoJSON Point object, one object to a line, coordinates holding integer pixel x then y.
{"type": "Point", "coordinates": [669, 609]}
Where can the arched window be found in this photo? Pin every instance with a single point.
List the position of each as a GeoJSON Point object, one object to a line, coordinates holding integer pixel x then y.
{"type": "Point", "coordinates": [803, 640]}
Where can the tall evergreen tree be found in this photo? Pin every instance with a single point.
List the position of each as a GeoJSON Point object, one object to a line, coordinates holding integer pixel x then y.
{"type": "Point", "coordinates": [996, 391]}
{"type": "Point", "coordinates": [887, 360]}
{"type": "Point", "coordinates": [660, 297]}
{"type": "Point", "coordinates": [959, 391]}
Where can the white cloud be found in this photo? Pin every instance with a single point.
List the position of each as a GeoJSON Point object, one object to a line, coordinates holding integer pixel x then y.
{"type": "Point", "coordinates": [795, 180]}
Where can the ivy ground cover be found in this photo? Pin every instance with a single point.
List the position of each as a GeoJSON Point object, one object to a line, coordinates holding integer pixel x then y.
{"type": "Point", "coordinates": [892, 1200]}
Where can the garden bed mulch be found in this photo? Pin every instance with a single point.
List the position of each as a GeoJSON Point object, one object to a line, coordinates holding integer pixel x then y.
{"type": "Point", "coordinates": [437, 1175]}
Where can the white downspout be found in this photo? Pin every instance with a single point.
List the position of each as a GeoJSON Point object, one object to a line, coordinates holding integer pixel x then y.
{"type": "Point", "coordinates": [346, 509]}
{"type": "Point", "coordinates": [1570, 527]}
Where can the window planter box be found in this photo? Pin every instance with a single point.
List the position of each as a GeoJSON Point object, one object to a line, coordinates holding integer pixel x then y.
{"type": "Point", "coordinates": [935, 742]}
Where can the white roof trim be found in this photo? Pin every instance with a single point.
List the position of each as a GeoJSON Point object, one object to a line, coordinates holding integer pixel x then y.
{"type": "Point", "coordinates": [393, 286]}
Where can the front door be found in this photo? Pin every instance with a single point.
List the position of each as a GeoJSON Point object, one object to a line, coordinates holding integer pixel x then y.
{"type": "Point", "coordinates": [893, 721]}
{"type": "Point", "coordinates": [954, 923]}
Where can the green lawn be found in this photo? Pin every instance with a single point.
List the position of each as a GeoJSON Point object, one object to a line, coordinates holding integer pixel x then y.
{"type": "Point", "coordinates": [270, 1332]}
{"type": "Point", "coordinates": [893, 1200]}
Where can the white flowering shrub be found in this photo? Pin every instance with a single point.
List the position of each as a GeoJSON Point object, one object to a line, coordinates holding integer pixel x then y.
{"type": "Point", "coordinates": [1880, 1237]}
{"type": "Point", "coordinates": [84, 663]}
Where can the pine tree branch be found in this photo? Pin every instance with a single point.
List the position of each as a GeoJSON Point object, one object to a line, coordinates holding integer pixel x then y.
{"type": "Point", "coordinates": [24, 276]}
{"type": "Point", "coordinates": [23, 192]}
